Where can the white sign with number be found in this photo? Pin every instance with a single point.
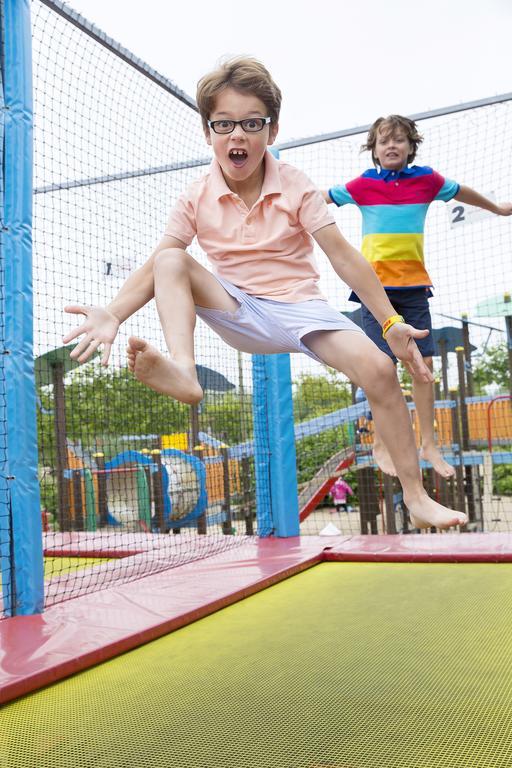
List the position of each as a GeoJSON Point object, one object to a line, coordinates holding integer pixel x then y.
{"type": "Point", "coordinates": [114, 266]}
{"type": "Point", "coordinates": [461, 213]}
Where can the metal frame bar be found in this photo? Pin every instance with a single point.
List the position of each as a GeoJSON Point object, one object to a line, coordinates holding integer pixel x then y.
{"type": "Point", "coordinates": [203, 161]}
{"type": "Point", "coordinates": [429, 114]}
{"type": "Point", "coordinates": [113, 46]}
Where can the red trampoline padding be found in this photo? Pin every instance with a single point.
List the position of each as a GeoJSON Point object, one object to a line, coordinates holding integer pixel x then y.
{"type": "Point", "coordinates": [427, 548]}
{"type": "Point", "coordinates": [71, 636]}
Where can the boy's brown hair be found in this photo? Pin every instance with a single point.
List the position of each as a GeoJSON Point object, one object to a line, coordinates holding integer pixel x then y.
{"type": "Point", "coordinates": [244, 74]}
{"type": "Point", "coordinates": [389, 125]}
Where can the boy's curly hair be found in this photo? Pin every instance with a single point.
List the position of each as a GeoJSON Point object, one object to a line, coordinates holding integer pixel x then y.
{"type": "Point", "coordinates": [389, 125]}
{"type": "Point", "coordinates": [244, 74]}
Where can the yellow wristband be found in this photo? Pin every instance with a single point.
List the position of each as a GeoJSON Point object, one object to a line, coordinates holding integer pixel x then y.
{"type": "Point", "coordinates": [390, 322]}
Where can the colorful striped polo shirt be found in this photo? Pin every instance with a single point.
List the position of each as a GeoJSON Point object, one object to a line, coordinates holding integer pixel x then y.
{"type": "Point", "coordinates": [394, 206]}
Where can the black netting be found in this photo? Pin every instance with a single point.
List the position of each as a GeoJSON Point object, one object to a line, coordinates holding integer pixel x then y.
{"type": "Point", "coordinates": [131, 481]}
{"type": "Point", "coordinates": [468, 257]}
{"type": "Point", "coordinates": [127, 476]}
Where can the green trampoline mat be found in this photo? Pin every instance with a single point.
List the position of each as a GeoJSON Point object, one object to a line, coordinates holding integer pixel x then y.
{"type": "Point", "coordinates": [352, 665]}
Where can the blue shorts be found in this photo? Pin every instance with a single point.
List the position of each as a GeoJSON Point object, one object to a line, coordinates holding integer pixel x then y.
{"type": "Point", "coordinates": [412, 304]}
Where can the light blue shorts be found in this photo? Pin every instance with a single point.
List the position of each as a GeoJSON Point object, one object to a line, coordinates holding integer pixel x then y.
{"type": "Point", "coordinates": [264, 326]}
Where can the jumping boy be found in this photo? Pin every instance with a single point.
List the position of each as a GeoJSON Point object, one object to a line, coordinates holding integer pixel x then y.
{"type": "Point", "coordinates": [393, 198]}
{"type": "Point", "coordinates": [254, 218]}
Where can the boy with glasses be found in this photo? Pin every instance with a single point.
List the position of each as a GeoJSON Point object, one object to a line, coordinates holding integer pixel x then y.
{"type": "Point", "coordinates": [255, 218]}
{"type": "Point", "coordinates": [393, 198]}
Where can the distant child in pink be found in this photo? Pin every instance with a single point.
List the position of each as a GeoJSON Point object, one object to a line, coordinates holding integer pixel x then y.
{"type": "Point", "coordinates": [340, 489]}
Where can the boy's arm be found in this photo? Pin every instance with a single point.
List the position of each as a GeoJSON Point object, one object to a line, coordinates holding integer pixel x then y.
{"type": "Point", "coordinates": [326, 196]}
{"type": "Point", "coordinates": [101, 324]}
{"type": "Point", "coordinates": [471, 197]}
{"type": "Point", "coordinates": [354, 270]}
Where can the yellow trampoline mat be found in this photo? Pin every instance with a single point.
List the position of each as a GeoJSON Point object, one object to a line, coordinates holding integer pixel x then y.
{"type": "Point", "coordinates": [57, 566]}
{"type": "Point", "coordinates": [352, 665]}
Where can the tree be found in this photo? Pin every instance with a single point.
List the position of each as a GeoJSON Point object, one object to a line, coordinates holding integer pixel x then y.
{"type": "Point", "coordinates": [227, 416]}
{"type": "Point", "coordinates": [107, 403]}
{"type": "Point", "coordinates": [492, 368]}
{"type": "Point", "coordinates": [317, 395]}
{"type": "Point", "coordinates": [103, 406]}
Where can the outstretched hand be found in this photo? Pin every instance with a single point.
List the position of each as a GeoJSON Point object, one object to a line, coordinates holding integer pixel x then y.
{"type": "Point", "coordinates": [504, 209]}
{"type": "Point", "coordinates": [400, 338]}
{"type": "Point", "coordinates": [99, 328]}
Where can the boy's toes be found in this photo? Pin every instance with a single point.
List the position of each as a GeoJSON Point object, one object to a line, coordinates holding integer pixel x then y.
{"type": "Point", "coordinates": [136, 345]}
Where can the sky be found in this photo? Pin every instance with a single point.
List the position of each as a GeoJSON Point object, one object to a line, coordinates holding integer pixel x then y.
{"type": "Point", "coordinates": [339, 63]}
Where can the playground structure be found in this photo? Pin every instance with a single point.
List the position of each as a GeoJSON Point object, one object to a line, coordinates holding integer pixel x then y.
{"type": "Point", "coordinates": [170, 489]}
{"type": "Point", "coordinates": [158, 533]}
{"type": "Point", "coordinates": [157, 490]}
{"type": "Point", "coordinates": [470, 432]}
{"type": "Point", "coordinates": [133, 490]}
{"type": "Point", "coordinates": [470, 429]}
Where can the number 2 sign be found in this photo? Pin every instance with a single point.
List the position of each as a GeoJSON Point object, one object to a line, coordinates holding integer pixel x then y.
{"type": "Point", "coordinates": [460, 213]}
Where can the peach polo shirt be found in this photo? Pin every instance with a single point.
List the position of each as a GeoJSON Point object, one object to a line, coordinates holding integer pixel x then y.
{"type": "Point", "coordinates": [266, 251]}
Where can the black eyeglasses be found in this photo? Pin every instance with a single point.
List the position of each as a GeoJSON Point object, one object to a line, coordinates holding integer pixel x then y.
{"type": "Point", "coordinates": [249, 125]}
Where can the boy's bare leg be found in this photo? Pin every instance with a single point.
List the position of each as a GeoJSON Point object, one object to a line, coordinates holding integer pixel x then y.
{"type": "Point", "coordinates": [381, 454]}
{"type": "Point", "coordinates": [357, 356]}
{"type": "Point", "coordinates": [423, 395]}
{"type": "Point", "coordinates": [180, 283]}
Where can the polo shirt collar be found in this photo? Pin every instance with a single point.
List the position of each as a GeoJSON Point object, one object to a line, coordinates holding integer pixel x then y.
{"type": "Point", "coordinates": [387, 173]}
{"type": "Point", "coordinates": [271, 180]}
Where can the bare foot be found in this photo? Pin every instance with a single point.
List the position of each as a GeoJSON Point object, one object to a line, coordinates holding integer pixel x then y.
{"type": "Point", "coordinates": [434, 456]}
{"type": "Point", "coordinates": [160, 373]}
{"type": "Point", "coordinates": [383, 459]}
{"type": "Point", "coordinates": [427, 513]}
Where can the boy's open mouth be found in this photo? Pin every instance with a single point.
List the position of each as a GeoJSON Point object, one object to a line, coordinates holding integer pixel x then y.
{"type": "Point", "coordinates": [238, 157]}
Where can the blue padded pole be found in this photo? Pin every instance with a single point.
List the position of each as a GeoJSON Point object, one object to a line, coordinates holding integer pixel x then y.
{"type": "Point", "coordinates": [26, 550]}
{"type": "Point", "coordinates": [5, 517]}
{"type": "Point", "coordinates": [277, 506]}
{"type": "Point", "coordinates": [261, 446]}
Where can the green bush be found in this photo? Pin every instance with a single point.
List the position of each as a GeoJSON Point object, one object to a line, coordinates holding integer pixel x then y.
{"type": "Point", "coordinates": [48, 490]}
{"type": "Point", "coordinates": [492, 368]}
{"type": "Point", "coordinates": [313, 451]}
{"type": "Point", "coordinates": [502, 476]}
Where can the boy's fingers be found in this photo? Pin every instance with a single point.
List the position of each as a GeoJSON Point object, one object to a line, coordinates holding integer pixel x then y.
{"type": "Point", "coordinates": [417, 334]}
{"type": "Point", "coordinates": [84, 357]}
{"type": "Point", "coordinates": [422, 372]}
{"type": "Point", "coordinates": [80, 348]}
{"type": "Point", "coordinates": [91, 349]}
{"type": "Point", "coordinates": [76, 309]}
{"type": "Point", "coordinates": [71, 335]}
{"type": "Point", "coordinates": [418, 368]}
{"type": "Point", "coordinates": [106, 353]}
